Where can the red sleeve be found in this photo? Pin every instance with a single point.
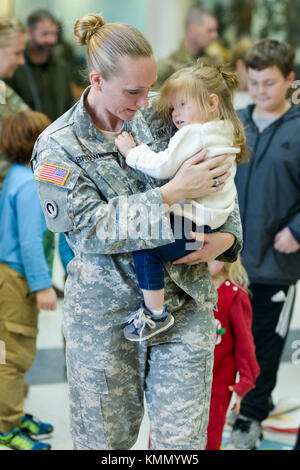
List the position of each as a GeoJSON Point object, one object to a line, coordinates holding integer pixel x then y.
{"type": "Point", "coordinates": [245, 360]}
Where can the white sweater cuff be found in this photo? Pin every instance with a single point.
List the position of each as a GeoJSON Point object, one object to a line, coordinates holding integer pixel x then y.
{"type": "Point", "coordinates": [133, 156]}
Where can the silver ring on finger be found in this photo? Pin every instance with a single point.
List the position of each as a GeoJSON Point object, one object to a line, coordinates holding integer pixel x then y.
{"type": "Point", "coordinates": [217, 182]}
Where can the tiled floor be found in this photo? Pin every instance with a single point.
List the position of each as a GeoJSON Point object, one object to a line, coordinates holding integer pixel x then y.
{"type": "Point", "coordinates": [48, 394]}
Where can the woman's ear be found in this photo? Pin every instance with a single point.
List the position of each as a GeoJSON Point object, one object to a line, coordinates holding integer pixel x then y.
{"type": "Point", "coordinates": [96, 80]}
{"type": "Point", "coordinates": [213, 102]}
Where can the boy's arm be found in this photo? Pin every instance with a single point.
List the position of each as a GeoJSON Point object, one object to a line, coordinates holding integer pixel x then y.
{"type": "Point", "coordinates": [31, 228]}
{"type": "Point", "coordinates": [163, 165]}
{"type": "Point", "coordinates": [294, 226]}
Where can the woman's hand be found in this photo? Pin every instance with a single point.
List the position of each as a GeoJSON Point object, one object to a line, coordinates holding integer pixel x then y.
{"type": "Point", "coordinates": [124, 143]}
{"type": "Point", "coordinates": [214, 245]}
{"type": "Point", "coordinates": [46, 299]}
{"type": "Point", "coordinates": [285, 242]}
{"type": "Point", "coordinates": [196, 178]}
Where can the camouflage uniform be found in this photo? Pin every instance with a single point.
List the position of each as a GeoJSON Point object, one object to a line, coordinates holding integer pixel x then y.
{"type": "Point", "coordinates": [108, 375]}
{"type": "Point", "coordinates": [182, 58]}
{"type": "Point", "coordinates": [10, 103]}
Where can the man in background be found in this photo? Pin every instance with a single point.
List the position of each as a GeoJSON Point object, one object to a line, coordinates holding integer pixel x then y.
{"type": "Point", "coordinates": [201, 29]}
{"type": "Point", "coordinates": [44, 81]}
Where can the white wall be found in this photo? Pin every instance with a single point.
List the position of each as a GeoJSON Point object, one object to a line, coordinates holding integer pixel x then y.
{"type": "Point", "coordinates": [165, 24]}
{"type": "Point", "coordinates": [5, 7]}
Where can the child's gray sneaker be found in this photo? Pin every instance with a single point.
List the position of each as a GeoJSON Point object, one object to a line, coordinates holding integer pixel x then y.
{"type": "Point", "coordinates": [142, 325]}
{"type": "Point", "coordinates": [246, 434]}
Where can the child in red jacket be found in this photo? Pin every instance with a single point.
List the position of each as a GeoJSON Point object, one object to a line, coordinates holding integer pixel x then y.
{"type": "Point", "coordinates": [234, 350]}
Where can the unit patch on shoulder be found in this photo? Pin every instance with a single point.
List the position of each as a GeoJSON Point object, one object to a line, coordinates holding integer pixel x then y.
{"type": "Point", "coordinates": [53, 174]}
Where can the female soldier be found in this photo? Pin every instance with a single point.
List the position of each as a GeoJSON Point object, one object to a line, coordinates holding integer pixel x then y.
{"type": "Point", "coordinates": [12, 44]}
{"type": "Point", "coordinates": [109, 210]}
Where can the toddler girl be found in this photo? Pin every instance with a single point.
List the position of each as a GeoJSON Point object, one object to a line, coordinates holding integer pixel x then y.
{"type": "Point", "coordinates": [198, 100]}
{"type": "Point", "coordinates": [234, 350]}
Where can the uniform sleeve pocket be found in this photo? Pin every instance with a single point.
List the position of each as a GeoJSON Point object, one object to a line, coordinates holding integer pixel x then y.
{"type": "Point", "coordinates": [54, 202]}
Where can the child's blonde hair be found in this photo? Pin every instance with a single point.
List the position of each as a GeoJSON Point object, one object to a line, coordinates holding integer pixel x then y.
{"type": "Point", "coordinates": [236, 272]}
{"type": "Point", "coordinates": [199, 81]}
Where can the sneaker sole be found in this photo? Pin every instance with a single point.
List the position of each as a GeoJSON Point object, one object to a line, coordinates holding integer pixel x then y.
{"type": "Point", "coordinates": [165, 328]}
{"type": "Point", "coordinates": [41, 436]}
{"type": "Point", "coordinates": [257, 444]}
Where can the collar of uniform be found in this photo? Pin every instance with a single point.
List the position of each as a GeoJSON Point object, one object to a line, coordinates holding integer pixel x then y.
{"type": "Point", "coordinates": [85, 128]}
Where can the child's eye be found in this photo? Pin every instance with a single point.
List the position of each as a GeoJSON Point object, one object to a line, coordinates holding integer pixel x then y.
{"type": "Point", "coordinates": [132, 92]}
{"type": "Point", "coordinates": [182, 103]}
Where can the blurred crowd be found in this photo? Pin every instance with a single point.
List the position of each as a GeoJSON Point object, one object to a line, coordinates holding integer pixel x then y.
{"type": "Point", "coordinates": [40, 79]}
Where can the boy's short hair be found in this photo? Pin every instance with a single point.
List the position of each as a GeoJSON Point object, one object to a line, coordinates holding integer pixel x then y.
{"type": "Point", "coordinates": [268, 53]}
{"type": "Point", "coordinates": [19, 133]}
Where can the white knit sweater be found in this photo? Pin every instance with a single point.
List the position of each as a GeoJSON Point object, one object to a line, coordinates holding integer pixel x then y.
{"type": "Point", "coordinates": [217, 138]}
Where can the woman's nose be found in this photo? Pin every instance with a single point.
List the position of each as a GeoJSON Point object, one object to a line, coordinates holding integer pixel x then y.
{"type": "Point", "coordinates": [143, 101]}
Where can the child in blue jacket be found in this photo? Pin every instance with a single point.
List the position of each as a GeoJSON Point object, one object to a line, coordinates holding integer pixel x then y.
{"type": "Point", "coordinates": [25, 280]}
{"type": "Point", "coordinates": [269, 199]}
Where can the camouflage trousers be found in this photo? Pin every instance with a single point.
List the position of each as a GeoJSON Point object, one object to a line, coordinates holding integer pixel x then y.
{"type": "Point", "coordinates": [174, 371]}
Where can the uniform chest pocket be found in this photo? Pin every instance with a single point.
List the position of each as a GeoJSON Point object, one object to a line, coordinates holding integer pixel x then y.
{"type": "Point", "coordinates": [115, 177]}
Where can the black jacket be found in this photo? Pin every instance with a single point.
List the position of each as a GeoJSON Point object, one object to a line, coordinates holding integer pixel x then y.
{"type": "Point", "coordinates": [269, 196]}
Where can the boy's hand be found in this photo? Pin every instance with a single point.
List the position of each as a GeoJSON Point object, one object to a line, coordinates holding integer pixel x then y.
{"type": "Point", "coordinates": [46, 299]}
{"type": "Point", "coordinates": [285, 242]}
{"type": "Point", "coordinates": [124, 143]}
{"type": "Point", "coordinates": [237, 404]}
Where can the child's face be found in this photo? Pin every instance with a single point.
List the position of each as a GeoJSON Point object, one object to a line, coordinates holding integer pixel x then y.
{"type": "Point", "coordinates": [184, 110]}
{"type": "Point", "coordinates": [268, 88]}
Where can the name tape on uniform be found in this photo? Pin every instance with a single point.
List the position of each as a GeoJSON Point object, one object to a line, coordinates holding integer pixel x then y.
{"type": "Point", "coordinates": [53, 174]}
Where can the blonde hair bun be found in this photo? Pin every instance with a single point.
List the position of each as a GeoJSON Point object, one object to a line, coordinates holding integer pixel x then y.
{"type": "Point", "coordinates": [230, 78]}
{"type": "Point", "coordinates": [86, 27]}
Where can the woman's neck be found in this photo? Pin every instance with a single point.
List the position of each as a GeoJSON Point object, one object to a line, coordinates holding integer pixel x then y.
{"type": "Point", "coordinates": [101, 118]}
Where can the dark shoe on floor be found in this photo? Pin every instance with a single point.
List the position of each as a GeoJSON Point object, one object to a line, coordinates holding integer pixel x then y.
{"type": "Point", "coordinates": [246, 434]}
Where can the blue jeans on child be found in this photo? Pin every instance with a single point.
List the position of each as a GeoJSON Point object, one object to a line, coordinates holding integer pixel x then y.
{"type": "Point", "coordinates": [149, 263]}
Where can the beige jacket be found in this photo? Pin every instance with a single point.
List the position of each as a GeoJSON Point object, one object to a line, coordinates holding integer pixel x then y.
{"type": "Point", "coordinates": [217, 138]}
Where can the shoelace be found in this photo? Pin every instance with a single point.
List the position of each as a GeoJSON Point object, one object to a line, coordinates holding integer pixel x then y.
{"type": "Point", "coordinates": [140, 320]}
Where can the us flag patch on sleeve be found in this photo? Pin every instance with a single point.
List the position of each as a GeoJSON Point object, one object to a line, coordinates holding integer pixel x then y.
{"type": "Point", "coordinates": [54, 174]}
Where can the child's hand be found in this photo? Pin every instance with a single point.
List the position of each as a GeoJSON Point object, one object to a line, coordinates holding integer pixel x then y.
{"type": "Point", "coordinates": [46, 299]}
{"type": "Point", "coordinates": [124, 143]}
{"type": "Point", "coordinates": [237, 404]}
